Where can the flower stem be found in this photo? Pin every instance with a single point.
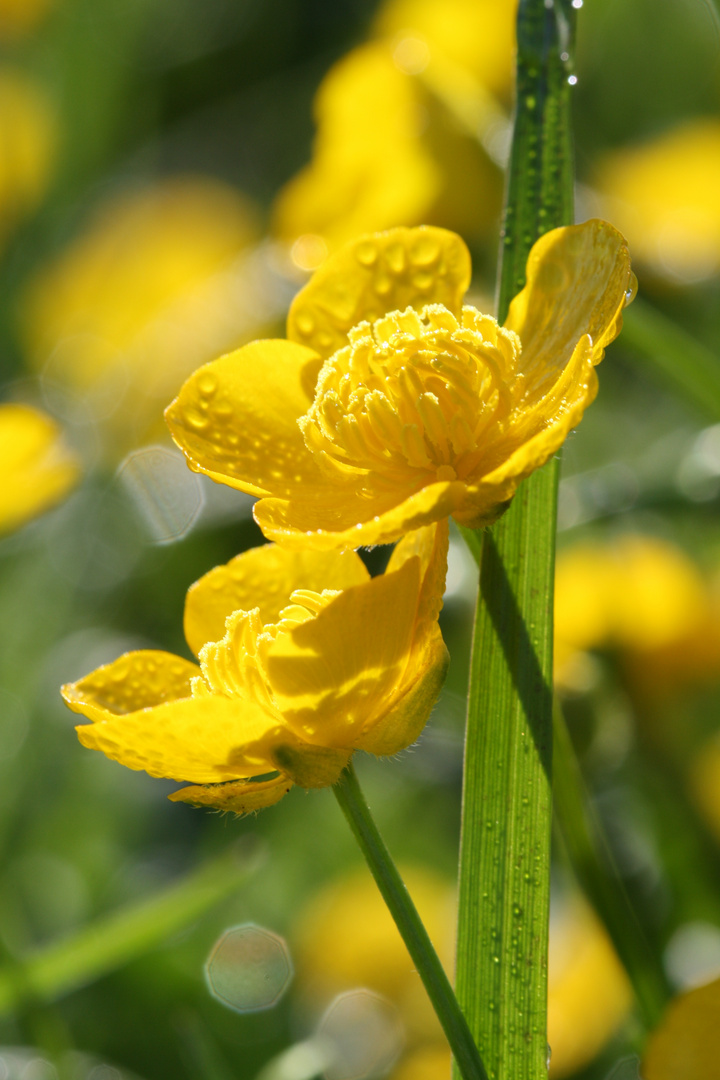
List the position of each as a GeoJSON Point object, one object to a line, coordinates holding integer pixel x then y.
{"type": "Point", "coordinates": [506, 824]}
{"type": "Point", "coordinates": [355, 808]}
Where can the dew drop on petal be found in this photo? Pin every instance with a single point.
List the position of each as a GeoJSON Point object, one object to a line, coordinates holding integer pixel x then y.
{"type": "Point", "coordinates": [366, 253]}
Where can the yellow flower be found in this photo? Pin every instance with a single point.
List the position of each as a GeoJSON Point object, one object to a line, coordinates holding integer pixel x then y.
{"type": "Point", "coordinates": [20, 17]}
{"type": "Point", "coordinates": [639, 594]}
{"type": "Point", "coordinates": [397, 124]}
{"type": "Point", "coordinates": [663, 195]}
{"type": "Point", "coordinates": [346, 938]}
{"type": "Point", "coordinates": [483, 49]}
{"type": "Point", "coordinates": [391, 405]}
{"type": "Point", "coordinates": [686, 1045]}
{"type": "Point", "coordinates": [370, 168]}
{"type": "Point", "coordinates": [37, 468]}
{"type": "Point", "coordinates": [28, 137]}
{"type": "Point", "coordinates": [316, 660]}
{"type": "Point", "coordinates": [141, 298]}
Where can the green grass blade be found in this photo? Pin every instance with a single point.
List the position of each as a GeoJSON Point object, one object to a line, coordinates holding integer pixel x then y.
{"type": "Point", "coordinates": [505, 848]}
{"type": "Point", "coordinates": [595, 869]}
{"type": "Point", "coordinates": [120, 937]}
{"type": "Point", "coordinates": [684, 363]}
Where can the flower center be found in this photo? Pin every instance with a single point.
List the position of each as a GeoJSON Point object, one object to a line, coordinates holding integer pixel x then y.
{"type": "Point", "coordinates": [414, 392]}
{"type": "Point", "coordinates": [234, 666]}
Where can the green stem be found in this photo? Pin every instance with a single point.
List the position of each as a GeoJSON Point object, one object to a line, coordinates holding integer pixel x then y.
{"type": "Point", "coordinates": [594, 866]}
{"type": "Point", "coordinates": [507, 808]}
{"type": "Point", "coordinates": [354, 807]}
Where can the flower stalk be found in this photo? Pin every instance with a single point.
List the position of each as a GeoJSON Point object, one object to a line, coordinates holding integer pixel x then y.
{"type": "Point", "coordinates": [355, 808]}
{"type": "Point", "coordinates": [507, 804]}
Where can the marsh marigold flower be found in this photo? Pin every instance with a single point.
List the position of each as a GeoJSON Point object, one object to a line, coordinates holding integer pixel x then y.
{"type": "Point", "coordinates": [28, 136]}
{"type": "Point", "coordinates": [638, 594]}
{"type": "Point", "coordinates": [391, 405]}
{"type": "Point", "coordinates": [663, 195]}
{"type": "Point", "coordinates": [397, 125]}
{"type": "Point", "coordinates": [303, 659]}
{"type": "Point", "coordinates": [145, 293]}
{"type": "Point", "coordinates": [38, 469]}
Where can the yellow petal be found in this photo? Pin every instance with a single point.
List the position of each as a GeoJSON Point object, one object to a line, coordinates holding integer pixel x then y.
{"type": "Point", "coordinates": [236, 796]}
{"type": "Point", "coordinates": [424, 678]}
{"type": "Point", "coordinates": [487, 499]}
{"type": "Point", "coordinates": [370, 168]}
{"type": "Point", "coordinates": [345, 668]}
{"type": "Point", "coordinates": [136, 680]}
{"type": "Point", "coordinates": [37, 469]}
{"type": "Point", "coordinates": [263, 578]}
{"type": "Point", "coordinates": [341, 521]}
{"type": "Point", "coordinates": [686, 1046]}
{"type": "Point", "coordinates": [202, 739]}
{"type": "Point", "coordinates": [430, 544]}
{"type": "Point", "coordinates": [377, 273]}
{"type": "Point", "coordinates": [577, 280]}
{"type": "Point", "coordinates": [236, 418]}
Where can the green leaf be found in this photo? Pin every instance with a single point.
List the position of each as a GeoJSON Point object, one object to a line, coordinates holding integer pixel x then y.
{"type": "Point", "coordinates": [505, 847]}
{"type": "Point", "coordinates": [683, 362]}
{"type": "Point", "coordinates": [120, 937]}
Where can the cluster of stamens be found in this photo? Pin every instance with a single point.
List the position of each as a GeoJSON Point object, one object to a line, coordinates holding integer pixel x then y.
{"type": "Point", "coordinates": [234, 665]}
{"type": "Point", "coordinates": [414, 392]}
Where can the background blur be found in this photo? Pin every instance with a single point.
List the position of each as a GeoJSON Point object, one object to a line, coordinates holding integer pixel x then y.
{"type": "Point", "coordinates": [169, 174]}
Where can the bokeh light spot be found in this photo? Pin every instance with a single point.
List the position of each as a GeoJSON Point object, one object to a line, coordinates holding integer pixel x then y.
{"type": "Point", "coordinates": [249, 968]}
{"type": "Point", "coordinates": [363, 1033]}
{"type": "Point", "coordinates": [166, 494]}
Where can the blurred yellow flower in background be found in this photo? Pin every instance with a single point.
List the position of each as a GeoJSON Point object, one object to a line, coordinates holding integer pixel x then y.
{"type": "Point", "coordinates": [472, 37]}
{"type": "Point", "coordinates": [28, 137]}
{"type": "Point", "coordinates": [663, 195]}
{"type": "Point", "coordinates": [20, 17]}
{"type": "Point", "coordinates": [638, 593]}
{"type": "Point", "coordinates": [316, 660]}
{"type": "Point", "coordinates": [686, 1045]}
{"type": "Point", "coordinates": [37, 468]}
{"type": "Point", "coordinates": [154, 286]}
{"type": "Point", "coordinates": [422, 408]}
{"type": "Point", "coordinates": [345, 938]}
{"type": "Point", "coordinates": [397, 121]}
{"type": "Point", "coordinates": [589, 994]}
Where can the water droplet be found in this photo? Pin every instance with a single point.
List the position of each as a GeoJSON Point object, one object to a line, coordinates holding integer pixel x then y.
{"type": "Point", "coordinates": [305, 323]}
{"type": "Point", "coordinates": [572, 80]}
{"type": "Point", "coordinates": [424, 251]}
{"type": "Point", "coordinates": [631, 290]}
{"type": "Point", "coordinates": [395, 258]}
{"type": "Point", "coordinates": [366, 253]}
{"type": "Point", "coordinates": [207, 384]}
{"type": "Point", "coordinates": [577, 3]}
{"type": "Point", "coordinates": [196, 419]}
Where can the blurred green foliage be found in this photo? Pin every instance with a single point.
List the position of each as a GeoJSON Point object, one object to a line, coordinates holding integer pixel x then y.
{"type": "Point", "coordinates": [149, 88]}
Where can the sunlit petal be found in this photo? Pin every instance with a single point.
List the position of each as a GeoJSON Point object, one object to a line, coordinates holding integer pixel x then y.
{"type": "Point", "coordinates": [578, 280]}
{"type": "Point", "coordinates": [263, 578]}
{"type": "Point", "coordinates": [136, 680]}
{"type": "Point", "coordinates": [236, 418]}
{"type": "Point", "coordinates": [374, 274]}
